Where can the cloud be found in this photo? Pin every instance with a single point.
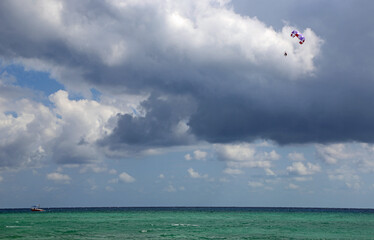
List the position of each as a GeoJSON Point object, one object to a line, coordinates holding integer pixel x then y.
{"type": "Point", "coordinates": [83, 123]}
{"type": "Point", "coordinates": [233, 171]}
{"type": "Point", "coordinates": [221, 66]}
{"type": "Point", "coordinates": [188, 157]}
{"type": "Point", "coordinates": [162, 125]}
{"type": "Point", "coordinates": [197, 154]}
{"type": "Point", "coordinates": [255, 184]}
{"type": "Point", "coordinates": [293, 186]}
{"type": "Point", "coordinates": [113, 180]}
{"type": "Point", "coordinates": [59, 177]}
{"type": "Point", "coordinates": [9, 89]}
{"type": "Point", "coordinates": [197, 31]}
{"type": "Point", "coordinates": [296, 156]}
{"type": "Point", "coordinates": [164, 48]}
{"type": "Point", "coordinates": [269, 172]}
{"type": "Point", "coordinates": [32, 133]}
{"type": "Point", "coordinates": [302, 169]}
{"type": "Point", "coordinates": [94, 168]}
{"type": "Point", "coordinates": [347, 162]}
{"type": "Point", "coordinates": [170, 188]}
{"type": "Point", "coordinates": [126, 178]}
{"type": "Point", "coordinates": [332, 153]}
{"type": "Point", "coordinates": [194, 174]}
{"type": "Point", "coordinates": [244, 155]}
{"type": "Point", "coordinates": [353, 155]}
{"type": "Point", "coordinates": [112, 171]}
{"type": "Point", "coordinates": [302, 178]}
{"type": "Point", "coordinates": [26, 129]}
{"type": "Point", "coordinates": [200, 155]}
{"type": "Point", "coordinates": [123, 177]}
{"type": "Point", "coordinates": [303, 112]}
{"type": "Point", "coordinates": [92, 184]}
{"type": "Point", "coordinates": [109, 189]}
{"type": "Point", "coordinates": [348, 176]}
{"type": "Point", "coordinates": [364, 158]}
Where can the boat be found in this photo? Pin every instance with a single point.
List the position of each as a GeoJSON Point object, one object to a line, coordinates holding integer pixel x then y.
{"type": "Point", "coordinates": [37, 209]}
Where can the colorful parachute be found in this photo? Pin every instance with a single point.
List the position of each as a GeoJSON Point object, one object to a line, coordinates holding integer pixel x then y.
{"type": "Point", "coordinates": [298, 35]}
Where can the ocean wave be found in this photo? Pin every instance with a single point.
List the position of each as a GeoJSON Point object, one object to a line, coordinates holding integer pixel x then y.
{"type": "Point", "coordinates": [18, 226]}
{"type": "Point", "coordinates": [184, 225]}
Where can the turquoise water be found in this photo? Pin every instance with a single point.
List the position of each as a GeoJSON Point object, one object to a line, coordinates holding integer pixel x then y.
{"type": "Point", "coordinates": [187, 223]}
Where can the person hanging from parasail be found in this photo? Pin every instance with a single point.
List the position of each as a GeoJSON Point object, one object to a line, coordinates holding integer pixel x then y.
{"type": "Point", "coordinates": [297, 34]}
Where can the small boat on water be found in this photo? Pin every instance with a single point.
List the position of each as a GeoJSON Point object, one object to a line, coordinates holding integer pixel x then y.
{"type": "Point", "coordinates": [37, 209]}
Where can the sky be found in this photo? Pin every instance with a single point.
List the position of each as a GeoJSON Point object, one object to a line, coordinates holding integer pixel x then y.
{"type": "Point", "coordinates": [186, 103]}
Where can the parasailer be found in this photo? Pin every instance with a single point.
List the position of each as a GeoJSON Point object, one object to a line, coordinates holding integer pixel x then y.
{"type": "Point", "coordinates": [295, 33]}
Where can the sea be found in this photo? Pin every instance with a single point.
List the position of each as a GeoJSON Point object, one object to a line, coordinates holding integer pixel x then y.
{"type": "Point", "coordinates": [187, 223]}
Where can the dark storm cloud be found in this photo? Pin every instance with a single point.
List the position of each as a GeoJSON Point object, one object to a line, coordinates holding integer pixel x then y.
{"type": "Point", "coordinates": [333, 106]}
{"type": "Point", "coordinates": [211, 83]}
{"type": "Point", "coordinates": [164, 124]}
{"type": "Point", "coordinates": [299, 114]}
{"type": "Point", "coordinates": [11, 152]}
{"type": "Point", "coordinates": [150, 63]}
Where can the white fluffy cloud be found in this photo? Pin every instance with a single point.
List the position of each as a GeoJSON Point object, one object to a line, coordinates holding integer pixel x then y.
{"type": "Point", "coordinates": [126, 178]}
{"type": "Point", "coordinates": [207, 33]}
{"type": "Point", "coordinates": [31, 132]}
{"type": "Point", "coordinates": [347, 162]}
{"type": "Point", "coordinates": [294, 156]}
{"type": "Point", "coordinates": [300, 168]}
{"type": "Point", "coordinates": [233, 171]}
{"type": "Point", "coordinates": [83, 115]}
{"type": "Point", "coordinates": [269, 172]}
{"type": "Point", "coordinates": [82, 122]}
{"type": "Point", "coordinates": [200, 155]}
{"type": "Point", "coordinates": [350, 155]}
{"type": "Point", "coordinates": [59, 177]}
{"type": "Point", "coordinates": [188, 157]}
{"type": "Point", "coordinates": [26, 130]}
{"type": "Point", "coordinates": [195, 174]}
{"type": "Point", "coordinates": [197, 154]}
{"type": "Point", "coordinates": [245, 155]}
{"type": "Point", "coordinates": [332, 153]}
{"type": "Point", "coordinates": [347, 176]}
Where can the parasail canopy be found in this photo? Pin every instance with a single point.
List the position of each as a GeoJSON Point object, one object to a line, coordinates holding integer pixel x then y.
{"type": "Point", "coordinates": [295, 33]}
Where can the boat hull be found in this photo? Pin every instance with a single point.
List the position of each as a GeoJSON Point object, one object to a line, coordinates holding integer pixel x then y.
{"type": "Point", "coordinates": [37, 210]}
